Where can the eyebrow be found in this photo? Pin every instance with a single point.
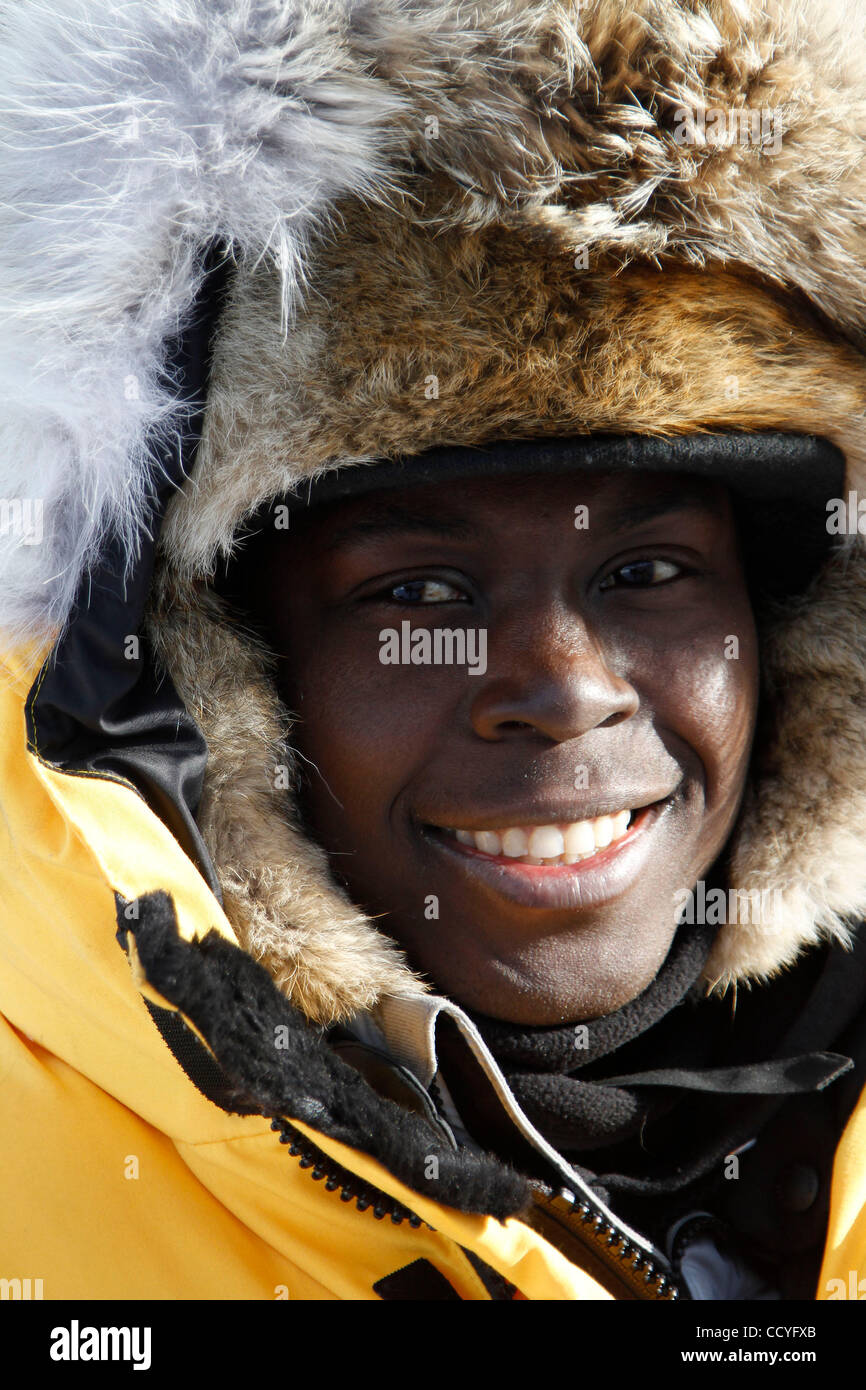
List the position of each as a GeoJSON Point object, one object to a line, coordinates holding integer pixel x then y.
{"type": "Point", "coordinates": [393, 521]}
{"type": "Point", "coordinates": [640, 512]}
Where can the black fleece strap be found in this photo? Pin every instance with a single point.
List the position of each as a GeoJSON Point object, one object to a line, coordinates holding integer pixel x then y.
{"type": "Point", "coordinates": [781, 1076]}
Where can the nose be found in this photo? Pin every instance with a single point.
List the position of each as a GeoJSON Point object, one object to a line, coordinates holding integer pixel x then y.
{"type": "Point", "coordinates": [548, 673]}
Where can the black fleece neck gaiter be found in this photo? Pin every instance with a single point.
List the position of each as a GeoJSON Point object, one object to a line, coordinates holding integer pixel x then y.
{"type": "Point", "coordinates": [559, 1074]}
{"type": "Point", "coordinates": [648, 1098]}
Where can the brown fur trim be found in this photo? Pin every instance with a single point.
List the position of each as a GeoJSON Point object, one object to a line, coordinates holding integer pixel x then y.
{"type": "Point", "coordinates": [565, 119]}
{"type": "Point", "coordinates": [278, 893]}
{"type": "Point", "coordinates": [802, 830]}
{"type": "Point", "coordinates": [516, 343]}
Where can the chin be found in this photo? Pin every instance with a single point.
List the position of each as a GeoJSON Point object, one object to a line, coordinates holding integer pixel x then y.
{"type": "Point", "coordinates": [512, 994]}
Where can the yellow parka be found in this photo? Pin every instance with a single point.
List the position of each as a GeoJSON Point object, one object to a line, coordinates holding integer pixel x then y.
{"type": "Point", "coordinates": [379, 231]}
{"type": "Point", "coordinates": [119, 1179]}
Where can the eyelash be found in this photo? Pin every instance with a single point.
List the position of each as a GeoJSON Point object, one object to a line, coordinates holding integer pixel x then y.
{"type": "Point", "coordinates": [387, 594]}
{"type": "Point", "coordinates": [681, 570]}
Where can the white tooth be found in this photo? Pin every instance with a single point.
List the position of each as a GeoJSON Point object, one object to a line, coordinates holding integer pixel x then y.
{"type": "Point", "coordinates": [465, 837]}
{"type": "Point", "coordinates": [620, 824]}
{"type": "Point", "coordinates": [488, 841]}
{"type": "Point", "coordinates": [603, 831]}
{"type": "Point", "coordinates": [515, 844]}
{"type": "Point", "coordinates": [579, 840]}
{"type": "Point", "coordinates": [546, 842]}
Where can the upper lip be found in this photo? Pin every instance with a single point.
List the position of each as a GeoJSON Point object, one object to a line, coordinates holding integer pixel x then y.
{"type": "Point", "coordinates": [553, 814]}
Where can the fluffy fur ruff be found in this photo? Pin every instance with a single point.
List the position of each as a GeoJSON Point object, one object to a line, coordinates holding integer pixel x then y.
{"type": "Point", "coordinates": [130, 137]}
{"type": "Point", "coordinates": [430, 173]}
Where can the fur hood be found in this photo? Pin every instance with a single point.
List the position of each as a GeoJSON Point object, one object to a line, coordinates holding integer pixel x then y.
{"type": "Point", "coordinates": [569, 217]}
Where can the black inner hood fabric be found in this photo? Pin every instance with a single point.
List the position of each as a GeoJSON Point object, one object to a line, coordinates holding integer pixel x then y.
{"type": "Point", "coordinates": [769, 466]}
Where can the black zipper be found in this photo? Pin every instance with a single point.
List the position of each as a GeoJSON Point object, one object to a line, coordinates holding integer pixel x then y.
{"type": "Point", "coordinates": [598, 1247]}
{"type": "Point", "coordinates": [337, 1178]}
{"type": "Point", "coordinates": [611, 1252]}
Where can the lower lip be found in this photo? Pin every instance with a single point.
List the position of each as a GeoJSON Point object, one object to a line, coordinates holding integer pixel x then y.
{"type": "Point", "coordinates": [589, 883]}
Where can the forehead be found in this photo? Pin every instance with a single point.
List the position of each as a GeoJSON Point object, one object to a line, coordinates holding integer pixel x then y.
{"type": "Point", "coordinates": [477, 507]}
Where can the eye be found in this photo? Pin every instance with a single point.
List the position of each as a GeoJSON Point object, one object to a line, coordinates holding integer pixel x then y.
{"type": "Point", "coordinates": [642, 574]}
{"type": "Point", "coordinates": [425, 591]}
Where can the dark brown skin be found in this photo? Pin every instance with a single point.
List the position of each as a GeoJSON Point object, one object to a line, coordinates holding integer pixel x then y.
{"type": "Point", "coordinates": [590, 664]}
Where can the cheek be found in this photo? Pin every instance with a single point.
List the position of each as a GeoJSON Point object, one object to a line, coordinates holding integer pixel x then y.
{"type": "Point", "coordinates": [365, 727]}
{"type": "Point", "coordinates": [724, 702]}
{"type": "Point", "coordinates": [711, 702]}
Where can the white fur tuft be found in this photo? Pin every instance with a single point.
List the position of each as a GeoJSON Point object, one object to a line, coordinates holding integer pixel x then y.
{"type": "Point", "coordinates": [131, 134]}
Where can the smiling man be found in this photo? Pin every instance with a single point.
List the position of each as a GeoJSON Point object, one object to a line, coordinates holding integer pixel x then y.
{"type": "Point", "coordinates": [555, 806]}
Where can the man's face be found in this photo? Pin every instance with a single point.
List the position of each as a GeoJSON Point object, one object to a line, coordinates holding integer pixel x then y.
{"type": "Point", "coordinates": [525, 832]}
